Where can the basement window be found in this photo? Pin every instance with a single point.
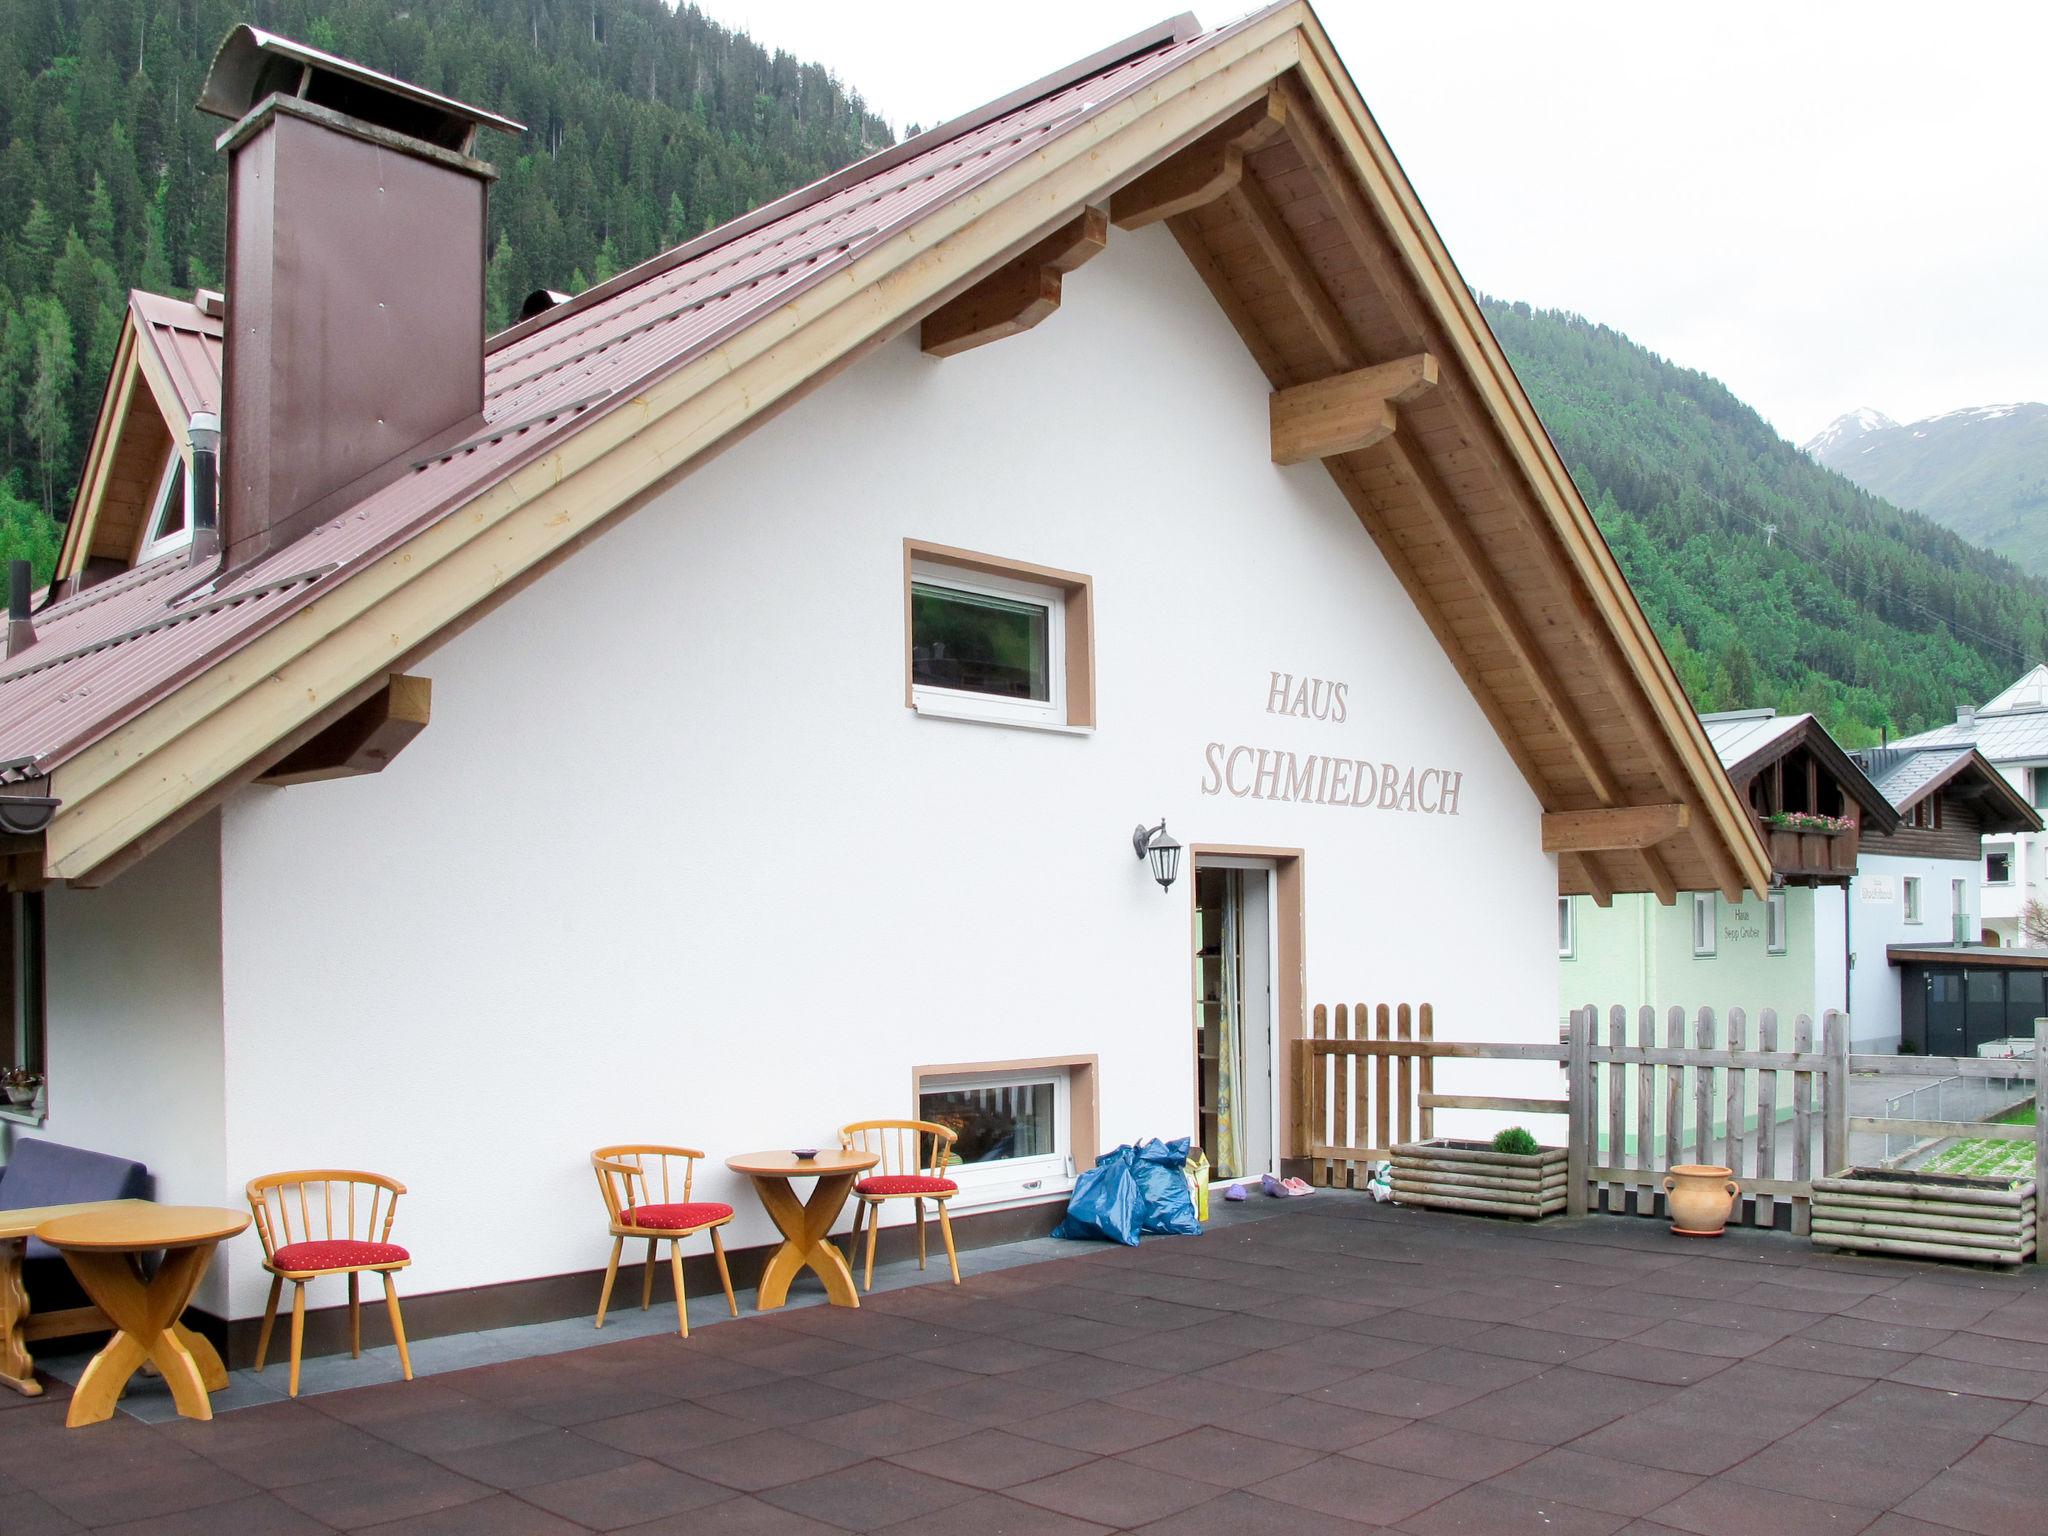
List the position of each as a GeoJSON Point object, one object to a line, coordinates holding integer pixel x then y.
{"type": "Point", "coordinates": [1015, 1130]}
{"type": "Point", "coordinates": [997, 640]}
{"type": "Point", "coordinates": [170, 516]}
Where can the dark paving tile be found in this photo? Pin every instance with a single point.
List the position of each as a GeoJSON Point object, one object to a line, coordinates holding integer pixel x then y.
{"type": "Point", "coordinates": [1595, 1482]}
{"type": "Point", "coordinates": [1805, 1353]}
{"type": "Point", "coordinates": [1247, 1514]}
{"type": "Point", "coordinates": [1357, 1490]}
{"type": "Point", "coordinates": [1517, 1342]}
{"type": "Point", "coordinates": [1465, 1368]}
{"type": "Point", "coordinates": [1485, 1510]}
{"type": "Point", "coordinates": [1114, 1492]}
{"type": "Point", "coordinates": [30, 1514]}
{"type": "Point", "coordinates": [767, 1458]}
{"type": "Point", "coordinates": [632, 1495]}
{"type": "Point", "coordinates": [740, 1516]}
{"type": "Point", "coordinates": [1866, 1334]}
{"type": "Point", "coordinates": [1383, 1392]}
{"type": "Point", "coordinates": [2029, 1425]}
{"type": "Point", "coordinates": [1638, 1360]}
{"type": "Point", "coordinates": [868, 1496]}
{"type": "Point", "coordinates": [1555, 1407]}
{"type": "Point", "coordinates": [1081, 1375]}
{"type": "Point", "coordinates": [136, 1489]}
{"type": "Point", "coordinates": [1221, 1456]}
{"type": "Point", "coordinates": [1867, 1479]}
{"type": "Point", "coordinates": [992, 1514]}
{"type": "Point", "coordinates": [1726, 1418]}
{"type": "Point", "coordinates": [793, 1400]}
{"type": "Point", "coordinates": [1303, 1421]}
{"type": "Point", "coordinates": [1419, 1327]}
{"type": "Point", "coordinates": [1196, 1400]}
{"type": "Point", "coordinates": [1720, 1505]}
{"type": "Point", "coordinates": [992, 1459]}
{"type": "Point", "coordinates": [990, 1356]}
{"type": "Point", "coordinates": [349, 1501]}
{"type": "Point", "coordinates": [1474, 1306]}
{"type": "Point", "coordinates": [499, 1515]}
{"type": "Point", "coordinates": [812, 1355]}
{"type": "Point", "coordinates": [1588, 1319]}
{"type": "Point", "coordinates": [664, 1432]}
{"type": "Point", "coordinates": [1281, 1370]}
{"type": "Point", "coordinates": [1999, 1489]}
{"type": "Point", "coordinates": [450, 1429]}
{"type": "Point", "coordinates": [1707, 1338]}
{"type": "Point", "coordinates": [884, 1429]}
{"type": "Point", "coordinates": [365, 1406]}
{"type": "Point", "coordinates": [1445, 1452]}
{"type": "Point", "coordinates": [1972, 1377]}
{"type": "Point", "coordinates": [261, 1514]}
{"type": "Point", "coordinates": [1099, 1428]}
{"type": "Point", "coordinates": [543, 1458]}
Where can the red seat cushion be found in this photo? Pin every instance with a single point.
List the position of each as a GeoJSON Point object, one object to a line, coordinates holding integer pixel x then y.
{"type": "Point", "coordinates": [674, 1218]}
{"type": "Point", "coordinates": [906, 1184]}
{"type": "Point", "coordinates": [337, 1253]}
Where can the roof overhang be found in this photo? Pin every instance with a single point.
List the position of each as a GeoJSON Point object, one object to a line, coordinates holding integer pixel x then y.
{"type": "Point", "coordinates": [1999, 805]}
{"type": "Point", "coordinates": [1538, 619]}
{"type": "Point", "coordinates": [1812, 735]}
{"type": "Point", "coordinates": [1968, 955]}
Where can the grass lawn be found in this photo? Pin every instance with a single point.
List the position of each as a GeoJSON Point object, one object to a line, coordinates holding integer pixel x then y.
{"type": "Point", "coordinates": [1989, 1159]}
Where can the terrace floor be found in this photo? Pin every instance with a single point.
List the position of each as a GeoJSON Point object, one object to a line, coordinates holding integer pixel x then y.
{"type": "Point", "coordinates": [1317, 1365]}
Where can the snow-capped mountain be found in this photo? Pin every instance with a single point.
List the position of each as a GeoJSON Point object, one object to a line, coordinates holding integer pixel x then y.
{"type": "Point", "coordinates": [1843, 430]}
{"type": "Point", "coordinates": [1982, 471]}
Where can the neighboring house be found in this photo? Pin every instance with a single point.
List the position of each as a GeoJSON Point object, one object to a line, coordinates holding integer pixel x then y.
{"type": "Point", "coordinates": [1787, 949]}
{"type": "Point", "coordinates": [2012, 732]}
{"type": "Point", "coordinates": [932, 560]}
{"type": "Point", "coordinates": [1919, 975]}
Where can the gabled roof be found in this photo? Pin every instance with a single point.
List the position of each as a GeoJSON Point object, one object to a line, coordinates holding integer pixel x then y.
{"type": "Point", "coordinates": [1750, 740]}
{"type": "Point", "coordinates": [167, 367]}
{"type": "Point", "coordinates": [1907, 775]}
{"type": "Point", "coordinates": [2011, 728]}
{"type": "Point", "coordinates": [1315, 247]}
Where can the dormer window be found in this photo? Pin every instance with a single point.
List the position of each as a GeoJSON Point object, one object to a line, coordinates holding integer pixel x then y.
{"type": "Point", "coordinates": [170, 517]}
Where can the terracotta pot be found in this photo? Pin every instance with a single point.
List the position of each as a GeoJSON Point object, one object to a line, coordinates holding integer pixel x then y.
{"type": "Point", "coordinates": [1701, 1196]}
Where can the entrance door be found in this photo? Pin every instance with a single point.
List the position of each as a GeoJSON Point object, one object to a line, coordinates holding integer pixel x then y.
{"type": "Point", "coordinates": [1234, 1104]}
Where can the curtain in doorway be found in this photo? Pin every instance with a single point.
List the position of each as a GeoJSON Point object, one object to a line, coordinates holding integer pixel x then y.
{"type": "Point", "coordinates": [1230, 1032]}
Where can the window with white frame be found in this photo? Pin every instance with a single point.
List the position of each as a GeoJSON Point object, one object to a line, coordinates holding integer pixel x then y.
{"type": "Point", "coordinates": [1705, 917]}
{"type": "Point", "coordinates": [1911, 887]}
{"type": "Point", "coordinates": [169, 525]}
{"type": "Point", "coordinates": [1959, 907]}
{"type": "Point", "coordinates": [1998, 864]}
{"type": "Point", "coordinates": [1774, 923]}
{"type": "Point", "coordinates": [997, 640]}
{"type": "Point", "coordinates": [1567, 936]}
{"type": "Point", "coordinates": [1014, 1129]}
{"type": "Point", "coordinates": [2040, 783]}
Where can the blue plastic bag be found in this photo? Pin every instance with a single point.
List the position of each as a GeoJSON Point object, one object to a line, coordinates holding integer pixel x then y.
{"type": "Point", "coordinates": [1166, 1204]}
{"type": "Point", "coordinates": [1105, 1202]}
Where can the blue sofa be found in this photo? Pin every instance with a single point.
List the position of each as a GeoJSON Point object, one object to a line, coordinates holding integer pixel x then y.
{"type": "Point", "coordinates": [50, 1173]}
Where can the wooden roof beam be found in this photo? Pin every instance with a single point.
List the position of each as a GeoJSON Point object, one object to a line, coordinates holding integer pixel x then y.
{"type": "Point", "coordinates": [1346, 412]}
{"type": "Point", "coordinates": [1594, 878]}
{"type": "Point", "coordinates": [1020, 293]}
{"type": "Point", "coordinates": [1202, 172]}
{"type": "Point", "coordinates": [1615, 826]}
{"type": "Point", "coordinates": [1499, 604]}
{"type": "Point", "coordinates": [365, 739]}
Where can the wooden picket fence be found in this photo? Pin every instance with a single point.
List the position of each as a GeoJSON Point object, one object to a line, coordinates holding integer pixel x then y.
{"type": "Point", "coordinates": [1677, 1088]}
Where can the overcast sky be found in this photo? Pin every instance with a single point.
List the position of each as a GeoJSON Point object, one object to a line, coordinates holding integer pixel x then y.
{"type": "Point", "coordinates": [1824, 205]}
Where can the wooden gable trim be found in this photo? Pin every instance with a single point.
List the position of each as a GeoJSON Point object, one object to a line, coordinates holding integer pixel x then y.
{"type": "Point", "coordinates": [76, 547]}
{"type": "Point", "coordinates": [203, 737]}
{"type": "Point", "coordinates": [1991, 785]}
{"type": "Point", "coordinates": [1814, 737]}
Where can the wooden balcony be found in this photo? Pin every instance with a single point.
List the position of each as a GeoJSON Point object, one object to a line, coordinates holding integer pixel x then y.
{"type": "Point", "coordinates": [1827, 856]}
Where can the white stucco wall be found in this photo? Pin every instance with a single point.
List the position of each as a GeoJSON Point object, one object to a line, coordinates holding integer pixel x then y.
{"type": "Point", "coordinates": [1878, 919]}
{"type": "Point", "coordinates": [674, 861]}
{"type": "Point", "coordinates": [134, 1032]}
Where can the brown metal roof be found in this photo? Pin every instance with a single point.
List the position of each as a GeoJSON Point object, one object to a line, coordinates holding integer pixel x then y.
{"type": "Point", "coordinates": [101, 658]}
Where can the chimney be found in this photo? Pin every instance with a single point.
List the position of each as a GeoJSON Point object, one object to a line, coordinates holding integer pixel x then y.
{"type": "Point", "coordinates": [21, 629]}
{"type": "Point", "coordinates": [1966, 716]}
{"type": "Point", "coordinates": [355, 279]}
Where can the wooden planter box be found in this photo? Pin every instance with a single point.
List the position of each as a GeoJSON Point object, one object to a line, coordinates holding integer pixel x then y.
{"type": "Point", "coordinates": [1919, 1215]}
{"type": "Point", "coordinates": [1471, 1176]}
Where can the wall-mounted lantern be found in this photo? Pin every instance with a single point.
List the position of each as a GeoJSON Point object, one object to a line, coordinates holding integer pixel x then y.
{"type": "Point", "coordinates": [1158, 845]}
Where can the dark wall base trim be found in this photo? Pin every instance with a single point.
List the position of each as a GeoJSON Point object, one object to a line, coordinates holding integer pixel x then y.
{"type": "Point", "coordinates": [549, 1298]}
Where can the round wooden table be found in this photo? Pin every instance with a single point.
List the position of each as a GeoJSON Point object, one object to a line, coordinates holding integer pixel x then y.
{"type": "Point", "coordinates": [105, 1249]}
{"type": "Point", "coordinates": [805, 1224]}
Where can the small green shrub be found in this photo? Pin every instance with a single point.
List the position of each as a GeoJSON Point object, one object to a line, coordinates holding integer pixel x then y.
{"type": "Point", "coordinates": [1517, 1141]}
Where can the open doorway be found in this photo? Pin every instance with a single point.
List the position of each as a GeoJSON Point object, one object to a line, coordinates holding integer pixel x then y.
{"type": "Point", "coordinates": [1235, 972]}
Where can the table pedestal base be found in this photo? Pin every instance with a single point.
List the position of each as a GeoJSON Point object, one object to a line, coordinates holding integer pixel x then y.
{"type": "Point", "coordinates": [17, 1370]}
{"type": "Point", "coordinates": [804, 1225]}
{"type": "Point", "coordinates": [145, 1314]}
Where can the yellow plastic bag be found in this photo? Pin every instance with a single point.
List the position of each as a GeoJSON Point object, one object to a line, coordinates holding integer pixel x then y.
{"type": "Point", "coordinates": [1198, 1181]}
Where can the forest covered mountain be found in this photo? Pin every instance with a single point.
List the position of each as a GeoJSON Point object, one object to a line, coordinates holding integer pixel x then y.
{"type": "Point", "coordinates": [1982, 471]}
{"type": "Point", "coordinates": [645, 126]}
{"type": "Point", "coordinates": [1770, 579]}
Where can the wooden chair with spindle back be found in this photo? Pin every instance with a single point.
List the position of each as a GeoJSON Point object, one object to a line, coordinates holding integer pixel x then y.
{"type": "Point", "coordinates": [646, 1195]}
{"type": "Point", "coordinates": [315, 1222]}
{"type": "Point", "coordinates": [914, 1156]}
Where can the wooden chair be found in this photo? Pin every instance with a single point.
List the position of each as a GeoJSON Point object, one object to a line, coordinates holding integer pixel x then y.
{"type": "Point", "coordinates": [644, 1197]}
{"type": "Point", "coordinates": [327, 1221]}
{"type": "Point", "coordinates": [914, 1156]}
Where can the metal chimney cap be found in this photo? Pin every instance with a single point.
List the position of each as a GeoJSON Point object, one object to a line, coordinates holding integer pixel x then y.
{"type": "Point", "coordinates": [253, 65]}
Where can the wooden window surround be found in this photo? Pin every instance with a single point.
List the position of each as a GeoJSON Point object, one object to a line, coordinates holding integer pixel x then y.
{"type": "Point", "coordinates": [1079, 617]}
{"type": "Point", "coordinates": [1084, 1126]}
